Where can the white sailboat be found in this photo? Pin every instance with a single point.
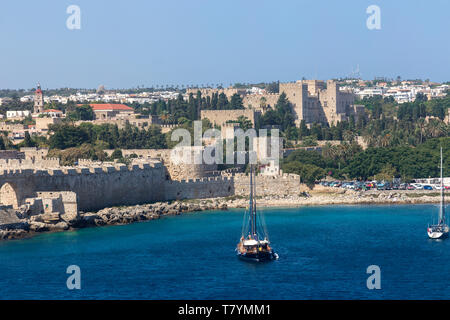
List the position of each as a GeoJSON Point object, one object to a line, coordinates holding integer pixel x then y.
{"type": "Point", "coordinates": [440, 230]}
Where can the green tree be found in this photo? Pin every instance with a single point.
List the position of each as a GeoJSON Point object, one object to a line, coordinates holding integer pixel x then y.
{"type": "Point", "coordinates": [387, 173]}
{"type": "Point", "coordinates": [308, 173]}
{"type": "Point", "coordinates": [83, 112]}
{"type": "Point", "coordinates": [117, 154]}
{"type": "Point", "coordinates": [244, 123]}
{"type": "Point", "coordinates": [27, 142]}
{"type": "Point", "coordinates": [236, 102]}
{"type": "Point", "coordinates": [67, 136]}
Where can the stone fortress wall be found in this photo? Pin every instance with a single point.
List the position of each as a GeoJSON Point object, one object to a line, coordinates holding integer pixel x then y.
{"type": "Point", "coordinates": [281, 185]}
{"type": "Point", "coordinates": [211, 187]}
{"type": "Point", "coordinates": [42, 186]}
{"type": "Point", "coordinates": [260, 101]}
{"type": "Point", "coordinates": [208, 92]}
{"type": "Point", "coordinates": [30, 163]}
{"type": "Point", "coordinates": [34, 153]}
{"type": "Point", "coordinates": [97, 187]}
{"type": "Point", "coordinates": [220, 117]}
{"type": "Point", "coordinates": [174, 171]}
{"type": "Point", "coordinates": [27, 158]}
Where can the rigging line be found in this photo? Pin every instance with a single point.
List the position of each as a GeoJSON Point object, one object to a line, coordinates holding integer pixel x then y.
{"type": "Point", "coordinates": [261, 221]}
{"type": "Point", "coordinates": [244, 224]}
{"type": "Point", "coordinates": [264, 224]}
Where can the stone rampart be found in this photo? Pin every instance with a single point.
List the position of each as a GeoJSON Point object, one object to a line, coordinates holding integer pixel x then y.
{"type": "Point", "coordinates": [29, 163]}
{"type": "Point", "coordinates": [211, 187]}
{"type": "Point", "coordinates": [260, 101]}
{"type": "Point", "coordinates": [95, 187]}
{"type": "Point", "coordinates": [282, 185]}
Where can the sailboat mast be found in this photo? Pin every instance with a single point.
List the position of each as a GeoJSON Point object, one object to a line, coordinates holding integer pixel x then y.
{"type": "Point", "coordinates": [254, 203]}
{"type": "Point", "coordinates": [441, 210]}
{"type": "Point", "coordinates": [251, 200]}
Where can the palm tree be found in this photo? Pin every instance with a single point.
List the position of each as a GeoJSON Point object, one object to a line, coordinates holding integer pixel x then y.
{"type": "Point", "coordinates": [421, 127]}
{"type": "Point", "coordinates": [329, 151]}
{"type": "Point", "coordinates": [348, 135]}
{"type": "Point", "coordinates": [263, 103]}
{"type": "Point", "coordinates": [385, 140]}
{"type": "Point", "coordinates": [436, 128]}
{"type": "Point", "coordinates": [369, 134]}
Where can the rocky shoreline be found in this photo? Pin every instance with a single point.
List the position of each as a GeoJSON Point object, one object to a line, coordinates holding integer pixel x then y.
{"type": "Point", "coordinates": [28, 227]}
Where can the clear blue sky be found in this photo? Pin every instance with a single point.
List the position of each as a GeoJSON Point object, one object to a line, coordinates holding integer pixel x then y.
{"type": "Point", "coordinates": [146, 42]}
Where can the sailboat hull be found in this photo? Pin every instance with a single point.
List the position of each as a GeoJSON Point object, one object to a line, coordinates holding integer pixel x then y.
{"type": "Point", "coordinates": [258, 257]}
{"type": "Point", "coordinates": [440, 230]}
{"type": "Point", "coordinates": [440, 233]}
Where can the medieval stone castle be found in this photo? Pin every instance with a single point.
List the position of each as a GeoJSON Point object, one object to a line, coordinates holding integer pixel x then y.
{"type": "Point", "coordinates": [313, 101]}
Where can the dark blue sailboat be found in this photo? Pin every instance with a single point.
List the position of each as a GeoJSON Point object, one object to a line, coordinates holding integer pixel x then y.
{"type": "Point", "coordinates": [254, 244]}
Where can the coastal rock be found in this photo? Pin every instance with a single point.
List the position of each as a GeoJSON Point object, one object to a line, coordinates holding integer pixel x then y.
{"type": "Point", "coordinates": [173, 212]}
{"type": "Point", "coordinates": [122, 215]}
{"type": "Point", "coordinates": [38, 226]}
{"type": "Point", "coordinates": [60, 226]}
{"type": "Point", "coordinates": [87, 219]}
{"type": "Point", "coordinates": [12, 234]}
{"type": "Point", "coordinates": [50, 217]}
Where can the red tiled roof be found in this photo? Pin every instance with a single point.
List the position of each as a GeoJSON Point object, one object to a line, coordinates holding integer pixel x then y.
{"type": "Point", "coordinates": [51, 110]}
{"type": "Point", "coordinates": [110, 106]}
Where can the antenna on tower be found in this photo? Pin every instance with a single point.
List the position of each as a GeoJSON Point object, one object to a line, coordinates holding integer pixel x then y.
{"type": "Point", "coordinates": [357, 73]}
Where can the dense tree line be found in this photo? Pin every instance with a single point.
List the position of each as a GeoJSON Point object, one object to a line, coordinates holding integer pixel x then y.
{"type": "Point", "coordinates": [83, 112]}
{"type": "Point", "coordinates": [178, 111]}
{"type": "Point", "coordinates": [388, 124]}
{"type": "Point", "coordinates": [348, 161]}
{"type": "Point", "coordinates": [280, 116]}
{"type": "Point", "coordinates": [107, 136]}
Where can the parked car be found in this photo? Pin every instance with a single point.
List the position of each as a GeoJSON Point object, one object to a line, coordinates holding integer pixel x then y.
{"type": "Point", "coordinates": [427, 187]}
{"type": "Point", "coordinates": [370, 185]}
{"type": "Point", "coordinates": [410, 187]}
{"type": "Point", "coordinates": [403, 186]}
{"type": "Point", "coordinates": [381, 186]}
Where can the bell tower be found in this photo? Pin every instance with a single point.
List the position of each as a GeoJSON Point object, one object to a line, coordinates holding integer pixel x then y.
{"type": "Point", "coordinates": [38, 100]}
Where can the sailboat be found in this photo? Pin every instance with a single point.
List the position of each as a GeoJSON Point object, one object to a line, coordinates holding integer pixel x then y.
{"type": "Point", "coordinates": [440, 230]}
{"type": "Point", "coordinates": [254, 244]}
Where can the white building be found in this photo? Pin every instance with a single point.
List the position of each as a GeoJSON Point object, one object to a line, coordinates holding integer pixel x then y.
{"type": "Point", "coordinates": [17, 114]}
{"type": "Point", "coordinates": [272, 168]}
{"type": "Point", "coordinates": [370, 92]}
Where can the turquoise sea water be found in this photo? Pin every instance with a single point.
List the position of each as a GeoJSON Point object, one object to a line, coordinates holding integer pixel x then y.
{"type": "Point", "coordinates": [324, 253]}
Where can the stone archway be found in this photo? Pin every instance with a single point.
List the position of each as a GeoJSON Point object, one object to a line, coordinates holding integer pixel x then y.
{"type": "Point", "coordinates": [8, 195]}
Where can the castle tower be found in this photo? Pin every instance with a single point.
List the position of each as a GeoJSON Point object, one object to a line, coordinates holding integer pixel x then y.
{"type": "Point", "coordinates": [38, 100]}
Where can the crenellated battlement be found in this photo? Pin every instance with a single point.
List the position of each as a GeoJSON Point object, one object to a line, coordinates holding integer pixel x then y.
{"type": "Point", "coordinates": [29, 163]}
{"type": "Point", "coordinates": [96, 186]}
{"type": "Point", "coordinates": [71, 171]}
{"type": "Point", "coordinates": [109, 184]}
